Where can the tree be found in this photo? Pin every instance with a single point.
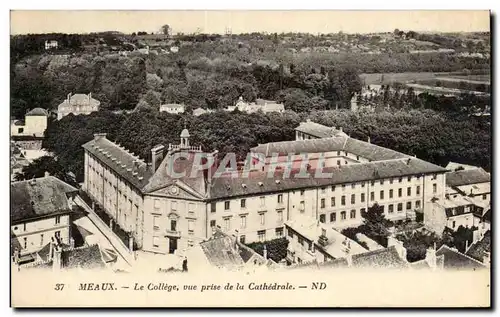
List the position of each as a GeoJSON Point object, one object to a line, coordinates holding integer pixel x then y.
{"type": "Point", "coordinates": [40, 166]}
{"type": "Point", "coordinates": [375, 225]}
{"type": "Point", "coordinates": [165, 29]}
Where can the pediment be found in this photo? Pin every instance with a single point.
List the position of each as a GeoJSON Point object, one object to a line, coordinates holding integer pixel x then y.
{"type": "Point", "coordinates": [178, 191]}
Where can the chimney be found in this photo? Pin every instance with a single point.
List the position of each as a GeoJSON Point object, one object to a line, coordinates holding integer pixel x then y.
{"type": "Point", "coordinates": [265, 252]}
{"type": "Point", "coordinates": [90, 96]}
{"type": "Point", "coordinates": [46, 174]}
{"type": "Point", "coordinates": [69, 97]}
{"type": "Point", "coordinates": [340, 129]}
{"type": "Point", "coordinates": [430, 257]}
{"type": "Point", "coordinates": [157, 156]}
{"type": "Point", "coordinates": [369, 140]}
{"type": "Point", "coordinates": [98, 136]}
{"type": "Point", "coordinates": [71, 243]}
{"type": "Point", "coordinates": [57, 260]}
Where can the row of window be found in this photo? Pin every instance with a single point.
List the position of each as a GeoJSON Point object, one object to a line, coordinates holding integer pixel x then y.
{"type": "Point", "coordinates": [173, 206]}
{"type": "Point", "coordinates": [243, 220]}
{"type": "Point", "coordinates": [352, 214]}
{"type": "Point", "coordinates": [57, 234]}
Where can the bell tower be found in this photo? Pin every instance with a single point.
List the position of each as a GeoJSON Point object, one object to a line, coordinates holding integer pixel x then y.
{"type": "Point", "coordinates": [185, 138]}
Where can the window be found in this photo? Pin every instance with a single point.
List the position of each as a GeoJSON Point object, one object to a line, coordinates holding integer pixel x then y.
{"type": "Point", "coordinates": [373, 183]}
{"type": "Point", "coordinates": [400, 207]}
{"type": "Point", "coordinates": [323, 190]}
{"type": "Point", "coordinates": [391, 192]}
{"type": "Point", "coordinates": [454, 224]}
{"type": "Point", "coordinates": [302, 206]}
{"type": "Point", "coordinates": [434, 188]}
{"type": "Point", "coordinates": [262, 218]}
{"type": "Point", "coordinates": [401, 179]}
{"type": "Point", "coordinates": [408, 205]}
{"type": "Point", "coordinates": [322, 218]}
{"type": "Point", "coordinates": [338, 162]}
{"type": "Point", "coordinates": [485, 196]}
{"type": "Point", "coordinates": [174, 206]}
{"type": "Point", "coordinates": [156, 204]}
{"type": "Point", "coordinates": [338, 153]}
{"type": "Point", "coordinates": [156, 222]}
{"type": "Point", "coordinates": [213, 207]}
{"type": "Point", "coordinates": [191, 208]}
{"type": "Point", "coordinates": [173, 225]}
{"type": "Point", "coordinates": [58, 235]}
{"type": "Point", "coordinates": [362, 197]}
{"type": "Point", "coordinates": [280, 198]}
{"type": "Point", "coordinates": [191, 226]}
{"type": "Point", "coordinates": [342, 200]}
{"type": "Point", "coordinates": [262, 201]}
{"type": "Point", "coordinates": [261, 235]}
{"type": "Point", "coordinates": [372, 196]}
{"type": "Point", "coordinates": [343, 215]}
{"type": "Point", "coordinates": [212, 223]}
{"type": "Point", "coordinates": [333, 201]}
{"type": "Point", "coordinates": [391, 209]}
{"type": "Point", "coordinates": [41, 239]}
{"type": "Point", "coordinates": [357, 157]}
{"type": "Point", "coordinates": [156, 242]}
{"type": "Point", "coordinates": [409, 178]}
{"type": "Point", "coordinates": [381, 194]}
{"type": "Point", "coordinates": [20, 130]}
{"type": "Point", "coordinates": [227, 224]}
{"type": "Point", "coordinates": [280, 215]}
{"type": "Point", "coordinates": [418, 190]}
{"type": "Point", "coordinates": [25, 242]}
{"type": "Point", "coordinates": [417, 204]}
{"type": "Point", "coordinates": [58, 220]}
{"type": "Point", "coordinates": [322, 203]}
{"type": "Point", "coordinates": [243, 203]}
{"type": "Point", "coordinates": [333, 217]}
{"type": "Point", "coordinates": [343, 186]}
{"type": "Point", "coordinates": [381, 182]}
{"type": "Point", "coordinates": [408, 191]}
{"type": "Point", "coordinates": [242, 239]}
{"type": "Point", "coordinates": [290, 233]}
{"type": "Point", "coordinates": [391, 181]}
{"type": "Point", "coordinates": [333, 188]}
{"type": "Point", "coordinates": [353, 186]}
{"type": "Point", "coordinates": [302, 192]}
{"type": "Point", "coordinates": [434, 176]}
{"type": "Point", "coordinates": [353, 214]}
{"type": "Point", "coordinates": [353, 199]}
{"type": "Point", "coordinates": [243, 222]}
{"type": "Point", "coordinates": [227, 205]}
{"type": "Point", "coordinates": [400, 192]}
{"type": "Point", "coordinates": [363, 210]}
{"type": "Point", "coordinates": [279, 232]}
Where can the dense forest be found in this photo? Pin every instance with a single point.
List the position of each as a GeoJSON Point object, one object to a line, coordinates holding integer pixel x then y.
{"type": "Point", "coordinates": [427, 134]}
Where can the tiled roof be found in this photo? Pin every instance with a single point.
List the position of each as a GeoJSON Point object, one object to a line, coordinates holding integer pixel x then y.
{"type": "Point", "coordinates": [317, 130]}
{"type": "Point", "coordinates": [477, 250]}
{"type": "Point", "coordinates": [79, 99]}
{"type": "Point", "coordinates": [221, 252]}
{"type": "Point", "coordinates": [364, 149]}
{"type": "Point", "coordinates": [120, 161]}
{"type": "Point", "coordinates": [456, 260]}
{"type": "Point", "coordinates": [85, 257]}
{"type": "Point", "coordinates": [37, 112]}
{"type": "Point", "coordinates": [38, 198]}
{"type": "Point", "coordinates": [383, 258]}
{"type": "Point", "coordinates": [466, 177]}
{"type": "Point", "coordinates": [259, 182]}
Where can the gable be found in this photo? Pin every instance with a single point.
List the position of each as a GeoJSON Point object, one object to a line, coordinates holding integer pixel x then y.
{"type": "Point", "coordinates": [176, 191]}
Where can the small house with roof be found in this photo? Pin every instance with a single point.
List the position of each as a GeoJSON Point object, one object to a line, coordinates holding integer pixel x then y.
{"type": "Point", "coordinates": [40, 209]}
{"type": "Point", "coordinates": [173, 108]}
{"type": "Point", "coordinates": [77, 104]}
{"type": "Point", "coordinates": [33, 125]}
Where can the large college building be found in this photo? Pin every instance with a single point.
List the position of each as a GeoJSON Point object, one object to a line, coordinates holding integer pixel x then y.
{"type": "Point", "coordinates": [166, 213]}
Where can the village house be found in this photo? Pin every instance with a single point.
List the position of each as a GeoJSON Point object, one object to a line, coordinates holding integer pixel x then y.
{"type": "Point", "coordinates": [77, 104]}
{"type": "Point", "coordinates": [51, 44]}
{"type": "Point", "coordinates": [173, 108]}
{"type": "Point", "coordinates": [33, 125]}
{"type": "Point", "coordinates": [199, 111]}
{"type": "Point", "coordinates": [40, 210]}
{"type": "Point", "coordinates": [263, 105]}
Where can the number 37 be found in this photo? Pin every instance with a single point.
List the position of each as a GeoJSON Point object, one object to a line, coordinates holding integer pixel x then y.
{"type": "Point", "coordinates": [59, 287]}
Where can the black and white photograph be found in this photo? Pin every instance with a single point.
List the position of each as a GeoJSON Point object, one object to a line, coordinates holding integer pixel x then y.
{"type": "Point", "coordinates": [250, 158]}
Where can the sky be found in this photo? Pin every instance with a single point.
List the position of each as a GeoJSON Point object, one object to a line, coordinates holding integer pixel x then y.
{"type": "Point", "coordinates": [23, 22]}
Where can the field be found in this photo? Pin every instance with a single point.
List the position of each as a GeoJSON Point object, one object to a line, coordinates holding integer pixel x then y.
{"type": "Point", "coordinates": [391, 78]}
{"type": "Point", "coordinates": [454, 83]}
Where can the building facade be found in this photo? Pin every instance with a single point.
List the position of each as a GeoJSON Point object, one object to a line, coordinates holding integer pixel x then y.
{"type": "Point", "coordinates": [40, 210]}
{"type": "Point", "coordinates": [173, 108]}
{"type": "Point", "coordinates": [78, 104]}
{"type": "Point", "coordinates": [34, 124]}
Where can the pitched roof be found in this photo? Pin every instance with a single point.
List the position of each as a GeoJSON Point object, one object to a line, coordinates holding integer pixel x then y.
{"type": "Point", "coordinates": [466, 177]}
{"type": "Point", "coordinates": [84, 257]}
{"type": "Point", "coordinates": [78, 99]}
{"type": "Point", "coordinates": [423, 264]}
{"type": "Point", "coordinates": [259, 182]}
{"type": "Point", "coordinates": [341, 142]}
{"type": "Point", "coordinates": [120, 160]}
{"type": "Point", "coordinates": [383, 258]}
{"type": "Point", "coordinates": [221, 252]}
{"type": "Point", "coordinates": [456, 260]}
{"type": "Point", "coordinates": [478, 250]}
{"type": "Point", "coordinates": [37, 112]}
{"type": "Point", "coordinates": [38, 198]}
{"type": "Point", "coordinates": [317, 130]}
